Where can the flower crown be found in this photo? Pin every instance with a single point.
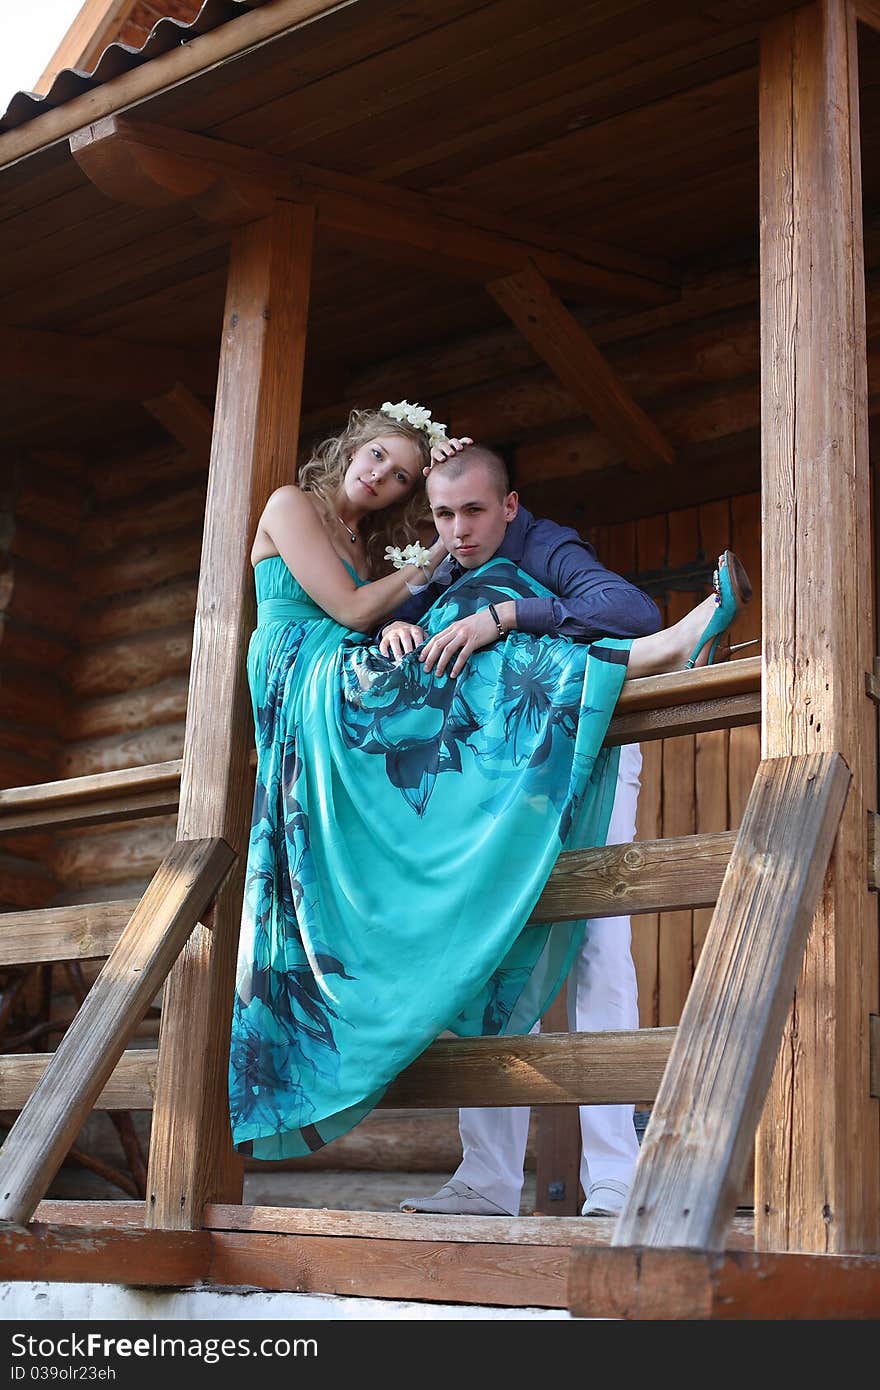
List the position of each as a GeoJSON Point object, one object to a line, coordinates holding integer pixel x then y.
{"type": "Point", "coordinates": [419, 417]}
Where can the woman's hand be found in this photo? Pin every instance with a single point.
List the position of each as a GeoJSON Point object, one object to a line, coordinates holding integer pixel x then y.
{"type": "Point", "coordinates": [399, 638]}
{"type": "Point", "coordinates": [446, 450]}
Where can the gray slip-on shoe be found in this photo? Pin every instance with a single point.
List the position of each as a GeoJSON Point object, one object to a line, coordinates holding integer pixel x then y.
{"type": "Point", "coordinates": [605, 1198]}
{"type": "Point", "coordinates": [454, 1199]}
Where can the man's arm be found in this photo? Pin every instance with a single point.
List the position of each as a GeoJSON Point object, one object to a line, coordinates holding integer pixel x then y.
{"type": "Point", "coordinates": [592, 601]}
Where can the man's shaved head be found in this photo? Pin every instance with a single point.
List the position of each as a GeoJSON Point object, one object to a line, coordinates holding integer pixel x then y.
{"type": "Point", "coordinates": [466, 459]}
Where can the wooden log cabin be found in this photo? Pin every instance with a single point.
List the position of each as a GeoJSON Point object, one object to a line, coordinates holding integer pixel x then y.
{"type": "Point", "coordinates": [635, 247]}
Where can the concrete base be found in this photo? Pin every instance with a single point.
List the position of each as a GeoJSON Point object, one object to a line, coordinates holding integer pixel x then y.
{"type": "Point", "coordinates": [31, 1301]}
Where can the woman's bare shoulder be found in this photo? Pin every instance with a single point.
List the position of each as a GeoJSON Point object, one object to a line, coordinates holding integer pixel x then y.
{"type": "Point", "coordinates": [288, 506]}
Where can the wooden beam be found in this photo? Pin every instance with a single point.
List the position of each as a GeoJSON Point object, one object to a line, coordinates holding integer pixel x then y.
{"type": "Point", "coordinates": [183, 886]}
{"type": "Point", "coordinates": [649, 708]}
{"type": "Point", "coordinates": [385, 1225]}
{"type": "Point", "coordinates": [186, 420]}
{"type": "Point", "coordinates": [256, 424]}
{"type": "Point", "coordinates": [232, 39]}
{"type": "Point", "coordinates": [872, 830]}
{"type": "Point", "coordinates": [102, 796]}
{"type": "Point", "coordinates": [154, 166]}
{"type": "Point", "coordinates": [570, 352]}
{"type": "Point", "coordinates": [611, 881]}
{"type": "Point", "coordinates": [697, 1145]}
{"type": "Point", "coordinates": [688, 1285]}
{"type": "Point", "coordinates": [538, 1069]}
{"type": "Point", "coordinates": [558, 1139]}
{"type": "Point", "coordinates": [817, 1182]}
{"type": "Point", "coordinates": [102, 369]}
{"type": "Point", "coordinates": [868, 11]}
{"type": "Point", "coordinates": [87, 931]}
{"type": "Point", "coordinates": [544, 1069]}
{"type": "Point", "coordinates": [646, 876]}
{"type": "Point", "coordinates": [697, 718]}
{"type": "Point", "coordinates": [130, 1086]}
{"type": "Point", "coordinates": [72, 1254]}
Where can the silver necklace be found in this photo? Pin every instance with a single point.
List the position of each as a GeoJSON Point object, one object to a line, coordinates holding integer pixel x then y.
{"type": "Point", "coordinates": [352, 535]}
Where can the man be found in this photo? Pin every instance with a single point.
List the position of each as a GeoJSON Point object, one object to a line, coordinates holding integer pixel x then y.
{"type": "Point", "coordinates": [478, 517]}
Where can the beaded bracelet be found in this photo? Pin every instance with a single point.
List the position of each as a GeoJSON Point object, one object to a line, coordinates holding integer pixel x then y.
{"type": "Point", "coordinates": [501, 632]}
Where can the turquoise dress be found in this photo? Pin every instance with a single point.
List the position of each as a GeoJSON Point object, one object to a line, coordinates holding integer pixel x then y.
{"type": "Point", "coordinates": [404, 827]}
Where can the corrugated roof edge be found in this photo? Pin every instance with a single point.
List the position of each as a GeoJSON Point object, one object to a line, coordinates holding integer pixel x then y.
{"type": "Point", "coordinates": [118, 58]}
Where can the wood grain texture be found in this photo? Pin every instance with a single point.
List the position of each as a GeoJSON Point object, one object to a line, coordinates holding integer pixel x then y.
{"type": "Point", "coordinates": [679, 796]}
{"type": "Point", "coordinates": [548, 1069]}
{"type": "Point", "coordinates": [818, 1163]}
{"type": "Point", "coordinates": [84, 932]}
{"type": "Point", "coordinates": [185, 418]}
{"type": "Point", "coordinates": [130, 1086]}
{"type": "Point", "coordinates": [646, 876]}
{"type": "Point", "coordinates": [291, 1220]}
{"type": "Point", "coordinates": [70, 1254]}
{"type": "Point", "coordinates": [256, 428]}
{"type": "Point", "coordinates": [687, 1285]}
{"type": "Point", "coordinates": [182, 888]}
{"type": "Point", "coordinates": [558, 1140]}
{"type": "Point", "coordinates": [712, 811]}
{"type": "Point", "coordinates": [568, 349]}
{"type": "Point", "coordinates": [692, 718]}
{"type": "Point", "coordinates": [698, 1141]}
{"type": "Point", "coordinates": [130, 793]}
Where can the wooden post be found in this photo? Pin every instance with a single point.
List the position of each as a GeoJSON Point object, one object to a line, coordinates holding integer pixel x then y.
{"type": "Point", "coordinates": [558, 1143]}
{"type": "Point", "coordinates": [817, 1174]}
{"type": "Point", "coordinates": [256, 423]}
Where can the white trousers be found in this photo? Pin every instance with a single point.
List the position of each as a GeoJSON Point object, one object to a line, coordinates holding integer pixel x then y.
{"type": "Point", "coordinates": [602, 994]}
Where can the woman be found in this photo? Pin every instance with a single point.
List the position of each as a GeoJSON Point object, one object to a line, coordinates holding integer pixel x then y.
{"type": "Point", "coordinates": [405, 822]}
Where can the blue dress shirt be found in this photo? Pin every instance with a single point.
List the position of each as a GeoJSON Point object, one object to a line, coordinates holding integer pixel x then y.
{"type": "Point", "coordinates": [592, 601]}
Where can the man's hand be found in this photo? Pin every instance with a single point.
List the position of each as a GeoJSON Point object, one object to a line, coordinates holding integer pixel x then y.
{"type": "Point", "coordinates": [399, 638]}
{"type": "Point", "coordinates": [459, 640]}
{"type": "Point", "coordinates": [446, 450]}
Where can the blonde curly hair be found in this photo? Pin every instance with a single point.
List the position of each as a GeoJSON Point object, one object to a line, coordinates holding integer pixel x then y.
{"type": "Point", "coordinates": [324, 470]}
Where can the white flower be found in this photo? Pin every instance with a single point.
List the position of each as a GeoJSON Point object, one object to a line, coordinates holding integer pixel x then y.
{"type": "Point", "coordinates": [410, 555]}
{"type": "Point", "coordinates": [419, 416]}
{"type": "Point", "coordinates": [436, 433]}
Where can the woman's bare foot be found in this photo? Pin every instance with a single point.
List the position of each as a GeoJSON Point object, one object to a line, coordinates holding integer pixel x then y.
{"type": "Point", "coordinates": [691, 626]}
{"type": "Point", "coordinates": [693, 641]}
{"type": "Point", "coordinates": [671, 648]}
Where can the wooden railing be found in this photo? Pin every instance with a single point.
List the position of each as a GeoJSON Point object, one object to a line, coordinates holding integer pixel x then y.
{"type": "Point", "coordinates": [56, 1091]}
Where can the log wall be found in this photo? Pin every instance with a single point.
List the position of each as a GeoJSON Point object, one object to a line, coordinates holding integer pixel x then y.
{"type": "Point", "coordinates": [136, 571]}
{"type": "Point", "coordinates": [41, 513]}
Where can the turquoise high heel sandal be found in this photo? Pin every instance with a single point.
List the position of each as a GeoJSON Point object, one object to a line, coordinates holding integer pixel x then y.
{"type": "Point", "coordinates": [732, 592]}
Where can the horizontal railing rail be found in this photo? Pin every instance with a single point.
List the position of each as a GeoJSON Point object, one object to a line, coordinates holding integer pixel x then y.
{"type": "Point", "coordinates": [681, 702]}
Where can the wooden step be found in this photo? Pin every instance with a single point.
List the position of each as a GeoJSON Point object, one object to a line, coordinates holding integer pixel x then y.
{"type": "Point", "coordinates": [508, 1262]}
{"type": "Point", "coordinates": [540, 1069]}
